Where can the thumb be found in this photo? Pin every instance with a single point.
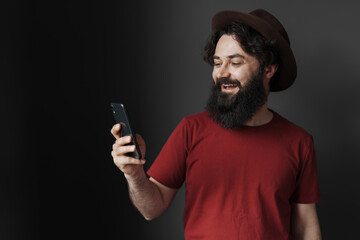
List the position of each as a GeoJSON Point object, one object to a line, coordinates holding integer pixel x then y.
{"type": "Point", "coordinates": [139, 139]}
{"type": "Point", "coordinates": [142, 144]}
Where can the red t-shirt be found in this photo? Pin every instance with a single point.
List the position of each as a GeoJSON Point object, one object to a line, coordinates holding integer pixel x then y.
{"type": "Point", "coordinates": [239, 183]}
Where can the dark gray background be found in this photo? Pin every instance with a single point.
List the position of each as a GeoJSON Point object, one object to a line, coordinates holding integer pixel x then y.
{"type": "Point", "coordinates": [63, 62]}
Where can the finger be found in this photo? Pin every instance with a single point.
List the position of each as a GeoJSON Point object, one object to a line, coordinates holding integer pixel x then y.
{"type": "Point", "coordinates": [122, 141]}
{"type": "Point", "coordinates": [125, 160]}
{"type": "Point", "coordinates": [115, 130]}
{"type": "Point", "coordinates": [123, 150]}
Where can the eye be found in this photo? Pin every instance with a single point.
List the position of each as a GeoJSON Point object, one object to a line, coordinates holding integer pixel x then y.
{"type": "Point", "coordinates": [236, 63]}
{"type": "Point", "coordinates": [217, 64]}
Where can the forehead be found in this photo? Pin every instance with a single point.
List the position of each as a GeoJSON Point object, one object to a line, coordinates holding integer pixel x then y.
{"type": "Point", "coordinates": [228, 45]}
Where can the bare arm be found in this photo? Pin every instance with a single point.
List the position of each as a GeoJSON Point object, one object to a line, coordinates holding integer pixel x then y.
{"type": "Point", "coordinates": [150, 197]}
{"type": "Point", "coordinates": [304, 222]}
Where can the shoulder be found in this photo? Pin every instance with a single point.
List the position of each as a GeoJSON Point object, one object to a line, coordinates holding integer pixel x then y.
{"type": "Point", "coordinates": [197, 123]}
{"type": "Point", "coordinates": [197, 119]}
{"type": "Point", "coordinates": [290, 129]}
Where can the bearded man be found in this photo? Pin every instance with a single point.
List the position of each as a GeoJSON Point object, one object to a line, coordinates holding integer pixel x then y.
{"type": "Point", "coordinates": [249, 173]}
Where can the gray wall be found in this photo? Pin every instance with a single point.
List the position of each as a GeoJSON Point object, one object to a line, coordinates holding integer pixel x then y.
{"type": "Point", "coordinates": [62, 63]}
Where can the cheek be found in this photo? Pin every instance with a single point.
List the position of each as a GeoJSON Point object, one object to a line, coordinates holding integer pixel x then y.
{"type": "Point", "coordinates": [214, 75]}
{"type": "Point", "coordinates": [242, 75]}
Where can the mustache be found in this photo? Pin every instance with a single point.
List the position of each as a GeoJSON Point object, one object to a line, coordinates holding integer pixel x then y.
{"type": "Point", "coordinates": [225, 80]}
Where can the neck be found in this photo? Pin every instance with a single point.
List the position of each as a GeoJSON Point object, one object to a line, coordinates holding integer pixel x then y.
{"type": "Point", "coordinates": [261, 117]}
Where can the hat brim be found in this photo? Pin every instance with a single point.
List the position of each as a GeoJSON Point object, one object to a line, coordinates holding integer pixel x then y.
{"type": "Point", "coordinates": [287, 69]}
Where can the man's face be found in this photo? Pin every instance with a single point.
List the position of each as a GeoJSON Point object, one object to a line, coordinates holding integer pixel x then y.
{"type": "Point", "coordinates": [231, 61]}
{"type": "Point", "coordinates": [238, 92]}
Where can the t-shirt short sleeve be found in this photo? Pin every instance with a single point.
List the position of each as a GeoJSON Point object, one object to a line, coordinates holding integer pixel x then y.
{"type": "Point", "coordinates": [170, 166]}
{"type": "Point", "coordinates": [307, 185]}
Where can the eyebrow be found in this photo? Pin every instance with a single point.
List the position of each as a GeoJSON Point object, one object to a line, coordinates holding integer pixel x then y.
{"type": "Point", "coordinates": [236, 55]}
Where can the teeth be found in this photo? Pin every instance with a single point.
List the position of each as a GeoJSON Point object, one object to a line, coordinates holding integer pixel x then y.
{"type": "Point", "coordinates": [229, 85]}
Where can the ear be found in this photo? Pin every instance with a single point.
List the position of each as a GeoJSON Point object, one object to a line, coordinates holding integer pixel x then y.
{"type": "Point", "coordinates": [268, 74]}
{"type": "Point", "coordinates": [270, 71]}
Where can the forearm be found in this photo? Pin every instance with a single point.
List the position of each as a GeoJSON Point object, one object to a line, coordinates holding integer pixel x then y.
{"type": "Point", "coordinates": [307, 233]}
{"type": "Point", "coordinates": [145, 195]}
{"type": "Point", "coordinates": [305, 223]}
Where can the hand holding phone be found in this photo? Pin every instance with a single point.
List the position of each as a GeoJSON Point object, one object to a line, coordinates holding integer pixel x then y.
{"type": "Point", "coordinates": [122, 118]}
{"type": "Point", "coordinates": [126, 145]}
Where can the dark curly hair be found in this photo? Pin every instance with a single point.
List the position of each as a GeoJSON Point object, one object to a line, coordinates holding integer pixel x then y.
{"type": "Point", "coordinates": [251, 41]}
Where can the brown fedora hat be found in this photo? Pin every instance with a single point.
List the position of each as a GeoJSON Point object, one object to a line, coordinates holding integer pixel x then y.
{"type": "Point", "coordinates": [272, 30]}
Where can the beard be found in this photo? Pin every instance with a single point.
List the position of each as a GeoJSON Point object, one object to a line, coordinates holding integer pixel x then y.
{"type": "Point", "coordinates": [233, 111]}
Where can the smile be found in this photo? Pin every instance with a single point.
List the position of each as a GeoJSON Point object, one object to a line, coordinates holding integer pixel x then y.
{"type": "Point", "coordinates": [229, 88]}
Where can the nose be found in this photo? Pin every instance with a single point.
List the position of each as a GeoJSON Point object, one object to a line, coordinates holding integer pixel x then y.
{"type": "Point", "coordinates": [223, 72]}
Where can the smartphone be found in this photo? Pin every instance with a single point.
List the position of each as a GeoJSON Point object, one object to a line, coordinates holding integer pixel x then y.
{"type": "Point", "coordinates": [121, 117]}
